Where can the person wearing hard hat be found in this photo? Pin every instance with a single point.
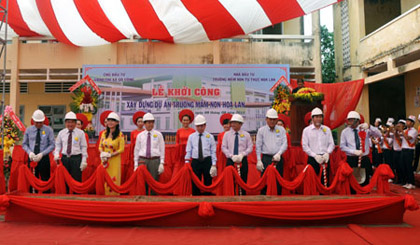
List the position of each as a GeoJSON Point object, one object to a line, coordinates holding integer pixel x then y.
{"type": "Point", "coordinates": [221, 158]}
{"type": "Point", "coordinates": [376, 143]}
{"type": "Point", "coordinates": [397, 147]}
{"type": "Point", "coordinates": [408, 137]}
{"type": "Point", "coordinates": [38, 142]}
{"type": "Point", "coordinates": [111, 146]}
{"type": "Point", "coordinates": [355, 143]}
{"type": "Point", "coordinates": [386, 145]}
{"type": "Point", "coordinates": [71, 144]}
{"type": "Point", "coordinates": [318, 143]}
{"type": "Point", "coordinates": [150, 148]}
{"type": "Point", "coordinates": [138, 121]}
{"type": "Point", "coordinates": [236, 146]}
{"type": "Point", "coordinates": [201, 153]}
{"type": "Point", "coordinates": [271, 143]}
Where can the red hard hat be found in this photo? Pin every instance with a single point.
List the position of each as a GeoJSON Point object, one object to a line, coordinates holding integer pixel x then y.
{"type": "Point", "coordinates": [225, 116]}
{"type": "Point", "coordinates": [186, 112]}
{"type": "Point", "coordinates": [82, 117]}
{"type": "Point", "coordinates": [285, 119]}
{"type": "Point", "coordinates": [137, 115]}
{"type": "Point", "coordinates": [103, 116]}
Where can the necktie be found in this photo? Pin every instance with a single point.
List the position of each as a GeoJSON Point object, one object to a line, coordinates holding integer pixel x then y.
{"type": "Point", "coordinates": [37, 148]}
{"type": "Point", "coordinates": [69, 140]}
{"type": "Point", "coordinates": [236, 145]}
{"type": "Point", "coordinates": [148, 145]}
{"type": "Point", "coordinates": [356, 137]}
{"type": "Point", "coordinates": [200, 148]}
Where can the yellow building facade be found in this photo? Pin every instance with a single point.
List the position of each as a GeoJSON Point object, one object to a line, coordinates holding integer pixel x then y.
{"type": "Point", "coordinates": [40, 71]}
{"type": "Point", "coordinates": [380, 42]}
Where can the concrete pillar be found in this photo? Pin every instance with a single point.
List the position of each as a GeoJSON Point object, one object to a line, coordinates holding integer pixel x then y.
{"type": "Point", "coordinates": [316, 32]}
{"type": "Point", "coordinates": [14, 75]}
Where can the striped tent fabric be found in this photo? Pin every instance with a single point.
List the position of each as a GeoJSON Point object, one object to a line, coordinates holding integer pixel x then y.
{"type": "Point", "coordinates": [97, 22]}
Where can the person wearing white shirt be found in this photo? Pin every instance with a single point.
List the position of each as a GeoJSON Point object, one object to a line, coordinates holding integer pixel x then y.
{"type": "Point", "coordinates": [237, 145]}
{"type": "Point", "coordinates": [397, 148]}
{"type": "Point", "coordinates": [387, 139]}
{"type": "Point", "coordinates": [352, 144]}
{"type": "Point", "coordinates": [408, 137]}
{"type": "Point", "coordinates": [150, 148]}
{"type": "Point", "coordinates": [71, 144]}
{"type": "Point", "coordinates": [318, 143]}
{"type": "Point", "coordinates": [201, 153]}
{"type": "Point", "coordinates": [271, 143]}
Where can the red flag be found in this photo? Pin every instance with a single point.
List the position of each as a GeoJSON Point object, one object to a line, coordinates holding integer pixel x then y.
{"type": "Point", "coordinates": [17, 121]}
{"type": "Point", "coordinates": [93, 84]}
{"type": "Point", "coordinates": [78, 84]}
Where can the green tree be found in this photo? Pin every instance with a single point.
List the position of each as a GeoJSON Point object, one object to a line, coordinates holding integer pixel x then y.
{"type": "Point", "coordinates": [327, 55]}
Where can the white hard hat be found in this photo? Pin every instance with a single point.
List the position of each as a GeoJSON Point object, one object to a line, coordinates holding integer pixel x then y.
{"type": "Point", "coordinates": [412, 118]}
{"type": "Point", "coordinates": [113, 116]}
{"type": "Point", "coordinates": [316, 112]}
{"type": "Point", "coordinates": [390, 119]}
{"type": "Point", "coordinates": [378, 120]}
{"type": "Point", "coordinates": [70, 116]}
{"type": "Point", "coordinates": [271, 113]}
{"type": "Point", "coordinates": [389, 124]}
{"type": "Point", "coordinates": [148, 117]}
{"type": "Point", "coordinates": [402, 121]}
{"type": "Point", "coordinates": [199, 120]}
{"type": "Point", "coordinates": [38, 116]}
{"type": "Point", "coordinates": [353, 114]}
{"type": "Point", "coordinates": [237, 118]}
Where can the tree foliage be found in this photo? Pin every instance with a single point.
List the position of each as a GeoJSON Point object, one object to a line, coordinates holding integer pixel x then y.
{"type": "Point", "coordinates": [327, 56]}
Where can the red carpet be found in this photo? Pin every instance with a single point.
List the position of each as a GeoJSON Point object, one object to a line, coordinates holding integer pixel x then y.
{"type": "Point", "coordinates": [30, 233]}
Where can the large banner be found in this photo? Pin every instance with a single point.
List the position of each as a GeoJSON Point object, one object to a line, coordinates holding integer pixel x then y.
{"type": "Point", "coordinates": [165, 90]}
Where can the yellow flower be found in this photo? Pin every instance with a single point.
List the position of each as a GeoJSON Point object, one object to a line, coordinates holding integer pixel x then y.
{"type": "Point", "coordinates": [324, 129]}
{"type": "Point", "coordinates": [208, 136]}
{"type": "Point", "coordinates": [277, 130]}
{"type": "Point", "coordinates": [76, 138]}
{"type": "Point", "coordinates": [155, 135]}
{"type": "Point", "coordinates": [43, 132]}
{"type": "Point", "coordinates": [242, 135]}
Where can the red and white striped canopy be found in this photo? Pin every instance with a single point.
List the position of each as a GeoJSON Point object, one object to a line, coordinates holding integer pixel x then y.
{"type": "Point", "coordinates": [97, 22]}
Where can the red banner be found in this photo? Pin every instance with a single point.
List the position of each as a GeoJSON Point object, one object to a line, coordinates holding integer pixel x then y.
{"type": "Point", "coordinates": [17, 121]}
{"type": "Point", "coordinates": [93, 84]}
{"type": "Point", "coordinates": [78, 84]}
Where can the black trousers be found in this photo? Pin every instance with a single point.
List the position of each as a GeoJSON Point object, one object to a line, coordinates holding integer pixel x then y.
{"type": "Point", "coordinates": [267, 160]}
{"type": "Point", "coordinates": [398, 166]}
{"type": "Point", "coordinates": [72, 164]}
{"type": "Point", "coordinates": [201, 169]}
{"type": "Point", "coordinates": [417, 157]}
{"type": "Point", "coordinates": [353, 162]}
{"type": "Point", "coordinates": [42, 169]}
{"type": "Point", "coordinates": [317, 168]}
{"type": "Point", "coordinates": [407, 156]}
{"type": "Point", "coordinates": [377, 158]}
{"type": "Point", "coordinates": [388, 158]}
{"type": "Point", "coordinates": [244, 170]}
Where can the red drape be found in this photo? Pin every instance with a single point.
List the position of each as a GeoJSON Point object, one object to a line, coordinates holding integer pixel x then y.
{"type": "Point", "coordinates": [126, 211]}
{"type": "Point", "coordinates": [340, 98]}
{"type": "Point", "coordinates": [181, 183]}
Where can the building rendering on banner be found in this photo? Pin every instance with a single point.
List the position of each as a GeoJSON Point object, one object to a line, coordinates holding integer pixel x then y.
{"type": "Point", "coordinates": [380, 42]}
{"type": "Point", "coordinates": [40, 70]}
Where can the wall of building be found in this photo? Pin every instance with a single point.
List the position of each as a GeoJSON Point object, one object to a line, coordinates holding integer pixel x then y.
{"type": "Point", "coordinates": [380, 12]}
{"type": "Point", "coordinates": [412, 85]}
{"type": "Point", "coordinates": [408, 4]}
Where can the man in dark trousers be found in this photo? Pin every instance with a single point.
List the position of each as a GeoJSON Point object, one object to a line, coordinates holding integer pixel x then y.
{"type": "Point", "coordinates": [201, 152]}
{"type": "Point", "coordinates": [38, 142]}
{"type": "Point", "coordinates": [71, 143]}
